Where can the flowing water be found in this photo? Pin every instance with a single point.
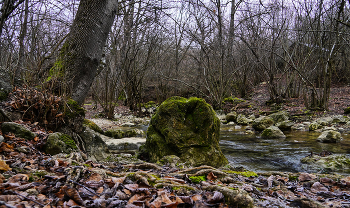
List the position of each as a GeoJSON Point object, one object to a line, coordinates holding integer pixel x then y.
{"type": "Point", "coordinates": [257, 154]}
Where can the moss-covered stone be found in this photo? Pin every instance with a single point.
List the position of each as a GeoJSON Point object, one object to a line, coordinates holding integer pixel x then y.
{"type": "Point", "coordinates": [328, 164]}
{"type": "Point", "coordinates": [59, 143]}
{"type": "Point", "coordinates": [330, 136]}
{"type": "Point", "coordinates": [74, 109]}
{"type": "Point", "coordinates": [187, 128]}
{"type": "Point", "coordinates": [243, 120]}
{"type": "Point", "coordinates": [279, 116]}
{"type": "Point", "coordinates": [273, 132]}
{"type": "Point", "coordinates": [17, 129]}
{"type": "Point", "coordinates": [314, 126]}
{"type": "Point", "coordinates": [232, 116]}
{"type": "Point", "coordinates": [262, 123]}
{"type": "Point", "coordinates": [93, 126]}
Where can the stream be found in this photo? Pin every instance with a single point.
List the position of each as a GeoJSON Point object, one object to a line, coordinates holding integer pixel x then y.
{"type": "Point", "coordinates": [260, 155]}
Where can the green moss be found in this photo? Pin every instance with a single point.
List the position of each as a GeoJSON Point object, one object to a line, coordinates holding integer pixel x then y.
{"type": "Point", "coordinates": [115, 133]}
{"type": "Point", "coordinates": [131, 176]}
{"type": "Point", "coordinates": [266, 133]}
{"type": "Point", "coordinates": [40, 173]}
{"type": "Point", "coordinates": [92, 126]}
{"type": "Point", "coordinates": [87, 165]}
{"type": "Point", "coordinates": [74, 163]}
{"type": "Point", "coordinates": [293, 178]}
{"type": "Point", "coordinates": [244, 173]}
{"type": "Point", "coordinates": [232, 100]}
{"type": "Point", "coordinates": [177, 188]}
{"type": "Point", "coordinates": [197, 179]}
{"type": "Point", "coordinates": [68, 141]}
{"type": "Point", "coordinates": [74, 109]}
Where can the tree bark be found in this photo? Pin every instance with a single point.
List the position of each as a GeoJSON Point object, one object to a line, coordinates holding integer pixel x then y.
{"type": "Point", "coordinates": [81, 53]}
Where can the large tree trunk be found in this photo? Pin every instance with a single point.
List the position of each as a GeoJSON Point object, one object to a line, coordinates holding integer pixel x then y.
{"type": "Point", "coordinates": [82, 51]}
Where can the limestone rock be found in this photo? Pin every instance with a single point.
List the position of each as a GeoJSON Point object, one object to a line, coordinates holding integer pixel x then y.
{"type": "Point", "coordinates": [17, 129]}
{"type": "Point", "coordinates": [329, 136]}
{"type": "Point", "coordinates": [125, 144]}
{"type": "Point", "coordinates": [340, 119]}
{"type": "Point", "coordinates": [95, 147]}
{"type": "Point", "coordinates": [279, 116]}
{"type": "Point", "coordinates": [273, 132]}
{"type": "Point", "coordinates": [262, 123]}
{"type": "Point", "coordinates": [187, 128]}
{"type": "Point", "coordinates": [59, 143]}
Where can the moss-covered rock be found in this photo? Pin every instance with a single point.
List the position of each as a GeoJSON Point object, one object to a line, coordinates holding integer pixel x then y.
{"type": "Point", "coordinates": [262, 123]}
{"type": "Point", "coordinates": [279, 116]}
{"type": "Point", "coordinates": [96, 149]}
{"type": "Point", "coordinates": [114, 133]}
{"type": "Point", "coordinates": [328, 164]}
{"type": "Point", "coordinates": [314, 126]}
{"type": "Point", "coordinates": [18, 130]}
{"type": "Point", "coordinates": [59, 143]}
{"type": "Point", "coordinates": [325, 121]}
{"type": "Point", "coordinates": [285, 125]}
{"type": "Point", "coordinates": [340, 119]}
{"type": "Point", "coordinates": [330, 136]}
{"type": "Point", "coordinates": [243, 120]}
{"type": "Point", "coordinates": [232, 116]}
{"type": "Point", "coordinates": [273, 132]}
{"type": "Point", "coordinates": [187, 128]}
{"type": "Point", "coordinates": [92, 125]}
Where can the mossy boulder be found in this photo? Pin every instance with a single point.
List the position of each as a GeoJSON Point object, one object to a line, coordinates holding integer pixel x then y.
{"type": "Point", "coordinates": [285, 125]}
{"type": "Point", "coordinates": [187, 128]}
{"type": "Point", "coordinates": [325, 121]}
{"type": "Point", "coordinates": [114, 133]}
{"type": "Point", "coordinates": [232, 116]}
{"type": "Point", "coordinates": [96, 149]}
{"type": "Point", "coordinates": [243, 120]}
{"type": "Point", "coordinates": [314, 126]}
{"type": "Point", "coordinates": [328, 164]}
{"type": "Point", "coordinates": [273, 132]}
{"type": "Point", "coordinates": [262, 123]}
{"type": "Point", "coordinates": [340, 119]}
{"type": "Point", "coordinates": [330, 136]}
{"type": "Point", "coordinates": [59, 143]}
{"type": "Point", "coordinates": [18, 130]}
{"type": "Point", "coordinates": [279, 116]}
{"type": "Point", "coordinates": [122, 133]}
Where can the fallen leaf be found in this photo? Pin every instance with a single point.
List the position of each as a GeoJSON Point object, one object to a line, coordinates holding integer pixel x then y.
{"type": "Point", "coordinates": [211, 176]}
{"type": "Point", "coordinates": [72, 193]}
{"type": "Point", "coordinates": [4, 166]}
{"type": "Point", "coordinates": [218, 197]}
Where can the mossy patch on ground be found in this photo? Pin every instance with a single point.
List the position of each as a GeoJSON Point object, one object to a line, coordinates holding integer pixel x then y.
{"type": "Point", "coordinates": [197, 179]}
{"type": "Point", "coordinates": [243, 173]}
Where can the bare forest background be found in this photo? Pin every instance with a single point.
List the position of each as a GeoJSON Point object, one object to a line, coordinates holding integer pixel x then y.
{"type": "Point", "coordinates": [205, 48]}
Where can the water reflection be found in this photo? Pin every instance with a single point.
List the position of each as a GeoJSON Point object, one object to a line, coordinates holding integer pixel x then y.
{"type": "Point", "coordinates": [254, 153]}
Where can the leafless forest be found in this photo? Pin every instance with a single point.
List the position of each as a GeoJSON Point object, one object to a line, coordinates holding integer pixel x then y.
{"type": "Point", "coordinates": [206, 48]}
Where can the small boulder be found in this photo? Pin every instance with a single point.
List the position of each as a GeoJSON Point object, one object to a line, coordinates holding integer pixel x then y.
{"type": "Point", "coordinates": [273, 132]}
{"type": "Point", "coordinates": [285, 125]}
{"type": "Point", "coordinates": [243, 120]}
{"type": "Point", "coordinates": [96, 149]}
{"type": "Point", "coordinates": [231, 117]}
{"type": "Point", "coordinates": [17, 129]}
{"type": "Point", "coordinates": [126, 144]}
{"type": "Point", "coordinates": [279, 116]}
{"type": "Point", "coordinates": [59, 143]}
{"type": "Point", "coordinates": [340, 119]}
{"type": "Point", "coordinates": [327, 164]}
{"type": "Point", "coordinates": [262, 123]}
{"type": "Point", "coordinates": [187, 128]}
{"type": "Point", "coordinates": [314, 126]}
{"type": "Point", "coordinates": [329, 136]}
{"type": "Point", "coordinates": [325, 121]}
